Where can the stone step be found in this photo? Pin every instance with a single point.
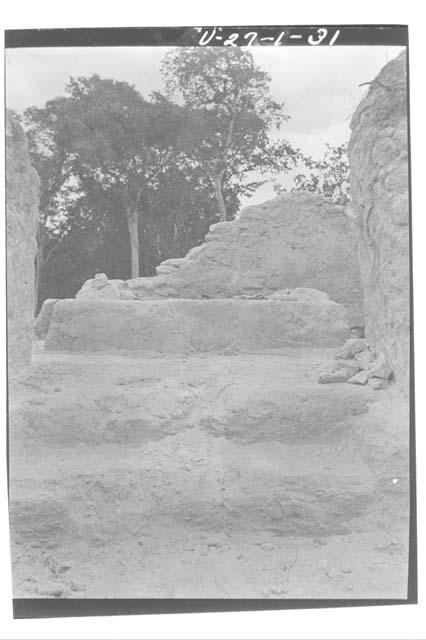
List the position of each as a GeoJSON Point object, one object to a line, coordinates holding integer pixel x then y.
{"type": "Point", "coordinates": [96, 399]}
{"type": "Point", "coordinates": [168, 461]}
{"type": "Point", "coordinates": [184, 325]}
{"type": "Point", "coordinates": [192, 480]}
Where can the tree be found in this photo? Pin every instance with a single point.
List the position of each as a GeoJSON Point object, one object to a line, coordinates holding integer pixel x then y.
{"type": "Point", "coordinates": [328, 176]}
{"type": "Point", "coordinates": [177, 215]}
{"type": "Point", "coordinates": [234, 115]}
{"type": "Point", "coordinates": [48, 143]}
{"type": "Point", "coordinates": [115, 144]}
{"type": "Point", "coordinates": [112, 145]}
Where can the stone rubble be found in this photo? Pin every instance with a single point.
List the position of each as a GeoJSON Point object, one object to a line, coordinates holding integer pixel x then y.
{"type": "Point", "coordinates": [356, 363]}
{"type": "Point", "coordinates": [101, 287]}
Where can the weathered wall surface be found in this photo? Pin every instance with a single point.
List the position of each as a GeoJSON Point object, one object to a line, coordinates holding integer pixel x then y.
{"type": "Point", "coordinates": [295, 240]}
{"type": "Point", "coordinates": [22, 193]}
{"type": "Point", "coordinates": [378, 154]}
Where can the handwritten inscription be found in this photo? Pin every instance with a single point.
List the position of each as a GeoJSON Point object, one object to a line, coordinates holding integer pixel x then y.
{"type": "Point", "coordinates": [215, 36]}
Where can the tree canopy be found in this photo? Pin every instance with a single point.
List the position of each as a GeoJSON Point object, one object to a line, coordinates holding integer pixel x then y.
{"type": "Point", "coordinates": [237, 119]}
{"type": "Point", "coordinates": [328, 176]}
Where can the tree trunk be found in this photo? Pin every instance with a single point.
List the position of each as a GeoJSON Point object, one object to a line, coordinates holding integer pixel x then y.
{"type": "Point", "coordinates": [39, 259]}
{"type": "Point", "coordinates": [219, 197]}
{"type": "Point", "coordinates": [220, 167]}
{"type": "Point", "coordinates": [132, 223]}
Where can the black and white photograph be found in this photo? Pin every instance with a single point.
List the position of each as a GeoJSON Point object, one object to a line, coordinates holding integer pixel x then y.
{"type": "Point", "coordinates": [210, 382]}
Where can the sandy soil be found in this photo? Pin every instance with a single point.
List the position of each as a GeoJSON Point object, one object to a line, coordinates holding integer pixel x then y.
{"type": "Point", "coordinates": [205, 476]}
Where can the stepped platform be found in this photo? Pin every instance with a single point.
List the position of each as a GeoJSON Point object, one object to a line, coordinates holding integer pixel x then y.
{"type": "Point", "coordinates": [182, 325]}
{"type": "Point", "coordinates": [202, 475]}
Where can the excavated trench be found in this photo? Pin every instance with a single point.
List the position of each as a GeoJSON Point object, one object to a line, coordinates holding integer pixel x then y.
{"type": "Point", "coordinates": [183, 447]}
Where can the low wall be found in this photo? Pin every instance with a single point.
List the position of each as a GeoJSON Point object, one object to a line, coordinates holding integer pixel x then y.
{"type": "Point", "coordinates": [182, 326]}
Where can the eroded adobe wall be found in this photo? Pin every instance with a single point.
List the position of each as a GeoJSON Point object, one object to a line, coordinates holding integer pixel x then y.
{"type": "Point", "coordinates": [295, 240]}
{"type": "Point", "coordinates": [22, 194]}
{"type": "Point", "coordinates": [378, 153]}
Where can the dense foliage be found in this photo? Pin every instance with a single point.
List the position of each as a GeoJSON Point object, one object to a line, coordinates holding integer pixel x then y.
{"type": "Point", "coordinates": [328, 176]}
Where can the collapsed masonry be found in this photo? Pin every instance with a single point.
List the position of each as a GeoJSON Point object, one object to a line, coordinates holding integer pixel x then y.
{"type": "Point", "coordinates": [22, 198]}
{"type": "Point", "coordinates": [295, 240]}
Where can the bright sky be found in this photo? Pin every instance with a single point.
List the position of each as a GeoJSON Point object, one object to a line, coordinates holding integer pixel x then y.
{"type": "Point", "coordinates": [319, 85]}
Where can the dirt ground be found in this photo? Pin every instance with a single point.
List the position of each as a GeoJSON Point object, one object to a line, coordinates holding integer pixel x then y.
{"type": "Point", "coordinates": [202, 476]}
